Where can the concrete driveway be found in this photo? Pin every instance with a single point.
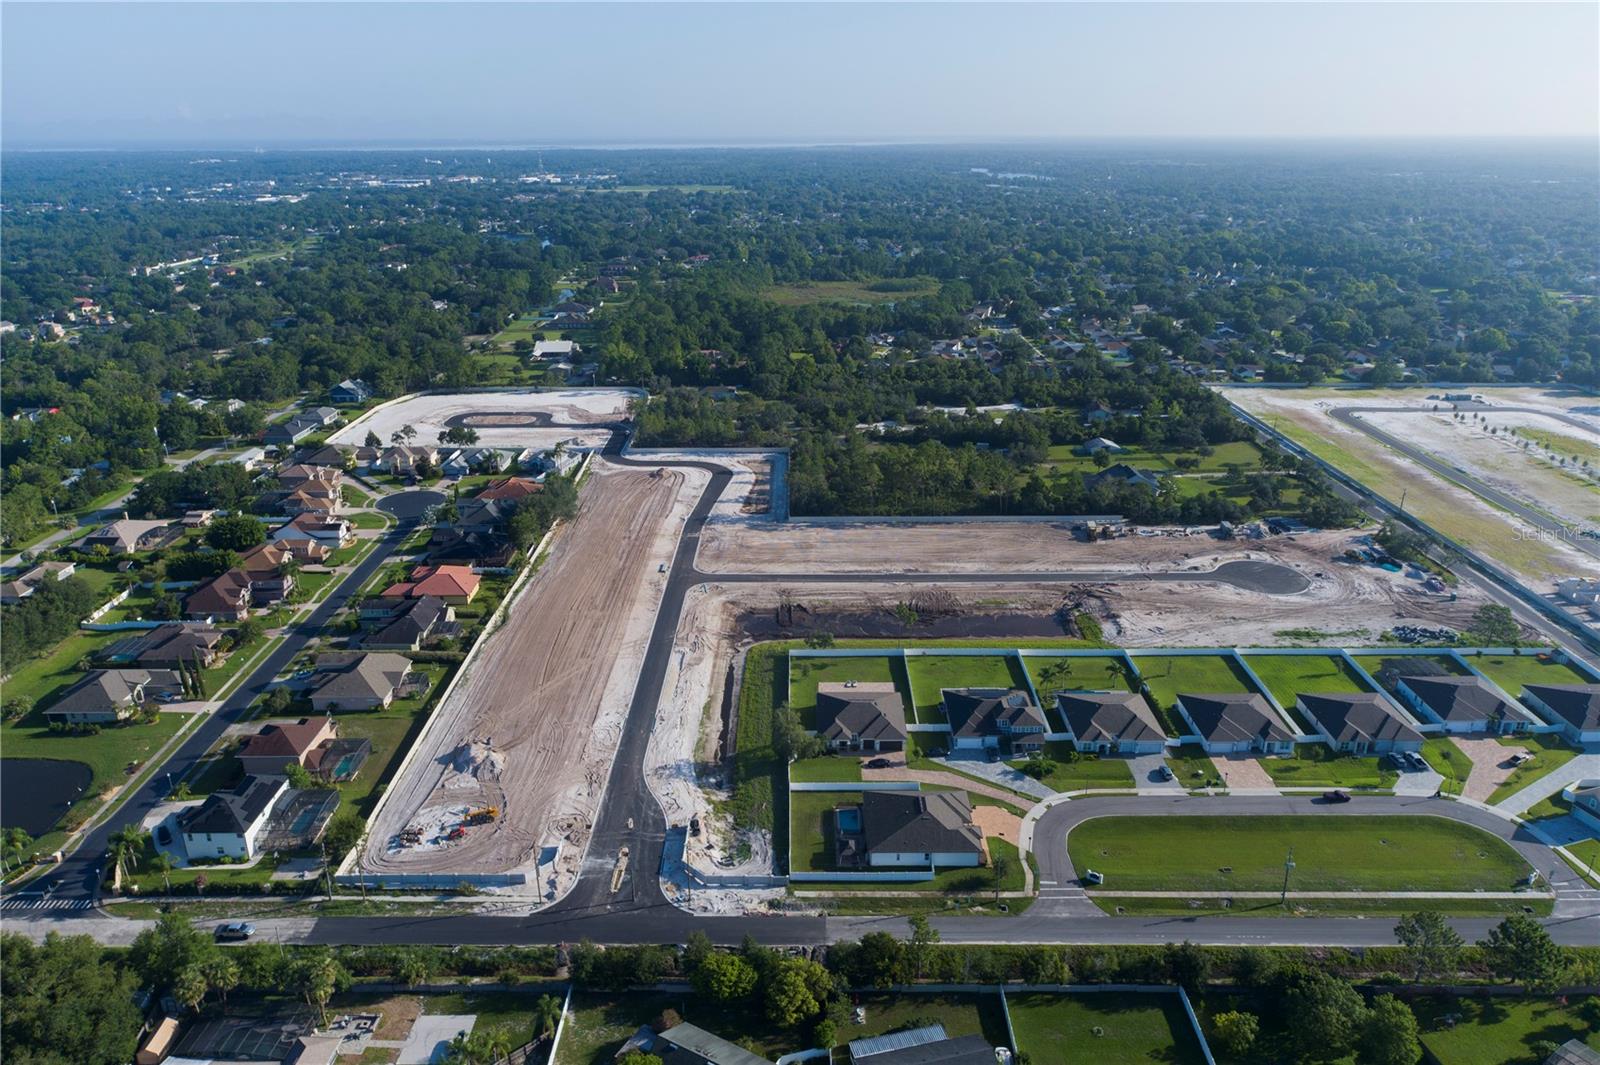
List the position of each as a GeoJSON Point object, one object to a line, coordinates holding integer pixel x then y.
{"type": "Point", "coordinates": [1147, 772]}
{"type": "Point", "coordinates": [1491, 764]}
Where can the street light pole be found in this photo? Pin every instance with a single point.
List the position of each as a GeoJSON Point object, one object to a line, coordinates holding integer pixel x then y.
{"type": "Point", "coordinates": [1288, 867]}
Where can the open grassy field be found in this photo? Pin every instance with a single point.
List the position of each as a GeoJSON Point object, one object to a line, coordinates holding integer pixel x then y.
{"type": "Point", "coordinates": [109, 753]}
{"type": "Point", "coordinates": [1315, 765]}
{"type": "Point", "coordinates": [759, 795]}
{"type": "Point", "coordinates": [1330, 906]}
{"type": "Point", "coordinates": [806, 673]}
{"type": "Point", "coordinates": [1512, 672]}
{"type": "Point", "coordinates": [801, 293]}
{"type": "Point", "coordinates": [1241, 453]}
{"type": "Point", "coordinates": [931, 673]}
{"type": "Point", "coordinates": [1103, 1028]}
{"type": "Point", "coordinates": [1287, 676]}
{"type": "Point", "coordinates": [1344, 853]}
{"type": "Point", "coordinates": [1503, 1032]}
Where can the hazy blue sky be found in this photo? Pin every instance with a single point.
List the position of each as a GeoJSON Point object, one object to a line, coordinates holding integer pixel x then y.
{"type": "Point", "coordinates": [123, 74]}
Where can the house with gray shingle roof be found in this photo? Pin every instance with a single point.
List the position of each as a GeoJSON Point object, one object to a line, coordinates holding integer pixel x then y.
{"type": "Point", "coordinates": [1235, 723]}
{"type": "Point", "coordinates": [1111, 722]}
{"type": "Point", "coordinates": [985, 717]}
{"type": "Point", "coordinates": [909, 830]}
{"type": "Point", "coordinates": [861, 717]}
{"type": "Point", "coordinates": [1358, 722]}
{"type": "Point", "coordinates": [1461, 704]}
{"type": "Point", "coordinates": [1575, 707]}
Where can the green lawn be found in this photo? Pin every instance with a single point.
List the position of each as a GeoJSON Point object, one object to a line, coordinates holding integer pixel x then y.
{"type": "Point", "coordinates": [392, 731]}
{"type": "Point", "coordinates": [1074, 771]}
{"type": "Point", "coordinates": [1192, 767]}
{"type": "Point", "coordinates": [1338, 853]}
{"type": "Point", "coordinates": [1096, 673]}
{"type": "Point", "coordinates": [1377, 665]}
{"type": "Point", "coordinates": [1513, 672]}
{"type": "Point", "coordinates": [1550, 753]}
{"type": "Point", "coordinates": [224, 879]}
{"type": "Point", "coordinates": [1242, 453]}
{"type": "Point", "coordinates": [1331, 906]}
{"type": "Point", "coordinates": [802, 293]}
{"type": "Point", "coordinates": [1103, 1028]}
{"type": "Point", "coordinates": [759, 795]}
{"type": "Point", "coordinates": [1449, 761]}
{"type": "Point", "coordinates": [931, 673]}
{"type": "Point", "coordinates": [1503, 1032]}
{"type": "Point", "coordinates": [1287, 676]}
{"type": "Point", "coordinates": [109, 754]}
{"type": "Point", "coordinates": [511, 1014]}
{"type": "Point", "coordinates": [1168, 676]}
{"type": "Point", "coordinates": [367, 519]}
{"type": "Point", "coordinates": [806, 673]}
{"type": "Point", "coordinates": [42, 679]}
{"type": "Point", "coordinates": [828, 767]}
{"type": "Point", "coordinates": [1316, 765]}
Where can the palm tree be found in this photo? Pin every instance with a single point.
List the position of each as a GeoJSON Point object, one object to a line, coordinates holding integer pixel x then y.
{"type": "Point", "coordinates": [222, 976]}
{"type": "Point", "coordinates": [163, 862]}
{"type": "Point", "coordinates": [190, 987]}
{"type": "Point", "coordinates": [546, 1017]}
{"type": "Point", "coordinates": [127, 845]}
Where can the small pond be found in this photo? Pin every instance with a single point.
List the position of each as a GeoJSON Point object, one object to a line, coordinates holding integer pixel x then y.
{"type": "Point", "coordinates": [35, 792]}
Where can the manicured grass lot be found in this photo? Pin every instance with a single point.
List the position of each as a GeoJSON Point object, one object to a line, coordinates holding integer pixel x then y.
{"type": "Point", "coordinates": [1315, 765]}
{"type": "Point", "coordinates": [1191, 766]}
{"type": "Point", "coordinates": [1169, 676]}
{"type": "Point", "coordinates": [1242, 453]}
{"type": "Point", "coordinates": [1449, 761]}
{"type": "Point", "coordinates": [1086, 771]}
{"type": "Point", "coordinates": [828, 767]}
{"type": "Point", "coordinates": [1549, 752]}
{"type": "Point", "coordinates": [931, 673]}
{"type": "Point", "coordinates": [1513, 672]}
{"type": "Point", "coordinates": [1332, 906]}
{"type": "Point", "coordinates": [1103, 1028]}
{"type": "Point", "coordinates": [1097, 673]}
{"type": "Point", "coordinates": [107, 753]}
{"type": "Point", "coordinates": [1287, 676]}
{"type": "Point", "coordinates": [801, 294]}
{"type": "Point", "coordinates": [1376, 662]}
{"type": "Point", "coordinates": [1331, 853]}
{"type": "Point", "coordinates": [806, 673]}
{"type": "Point", "coordinates": [1502, 1032]}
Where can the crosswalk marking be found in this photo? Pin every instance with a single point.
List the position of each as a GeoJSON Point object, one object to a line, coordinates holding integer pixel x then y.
{"type": "Point", "coordinates": [37, 903]}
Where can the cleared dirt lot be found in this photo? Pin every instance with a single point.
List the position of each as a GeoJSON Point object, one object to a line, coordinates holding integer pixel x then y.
{"type": "Point", "coordinates": [428, 415]}
{"type": "Point", "coordinates": [532, 725]}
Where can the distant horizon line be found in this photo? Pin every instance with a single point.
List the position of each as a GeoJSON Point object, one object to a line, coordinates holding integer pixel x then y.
{"type": "Point", "coordinates": [614, 145]}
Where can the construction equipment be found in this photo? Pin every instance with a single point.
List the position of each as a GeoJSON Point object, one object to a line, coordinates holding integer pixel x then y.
{"type": "Point", "coordinates": [458, 832]}
{"type": "Point", "coordinates": [410, 837]}
{"type": "Point", "coordinates": [482, 816]}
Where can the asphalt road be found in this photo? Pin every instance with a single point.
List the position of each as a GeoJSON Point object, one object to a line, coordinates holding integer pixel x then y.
{"type": "Point", "coordinates": [78, 876]}
{"type": "Point", "coordinates": [1511, 504]}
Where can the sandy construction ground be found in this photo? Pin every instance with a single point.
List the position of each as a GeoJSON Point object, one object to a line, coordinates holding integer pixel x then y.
{"type": "Point", "coordinates": [532, 726]}
{"type": "Point", "coordinates": [428, 414]}
{"type": "Point", "coordinates": [1306, 417]}
{"type": "Point", "coordinates": [1499, 460]}
{"type": "Point", "coordinates": [1347, 603]}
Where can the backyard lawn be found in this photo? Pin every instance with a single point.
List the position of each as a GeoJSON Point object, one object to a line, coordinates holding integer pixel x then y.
{"type": "Point", "coordinates": [1103, 1028]}
{"type": "Point", "coordinates": [1287, 676]}
{"type": "Point", "coordinates": [1549, 752]}
{"type": "Point", "coordinates": [806, 673]}
{"type": "Point", "coordinates": [931, 673]}
{"type": "Point", "coordinates": [42, 679]}
{"type": "Point", "coordinates": [1503, 1032]}
{"type": "Point", "coordinates": [1331, 853]}
{"type": "Point", "coordinates": [1377, 664]}
{"type": "Point", "coordinates": [1316, 765]}
{"type": "Point", "coordinates": [1095, 673]}
{"type": "Point", "coordinates": [1513, 672]}
{"type": "Point", "coordinates": [1169, 676]}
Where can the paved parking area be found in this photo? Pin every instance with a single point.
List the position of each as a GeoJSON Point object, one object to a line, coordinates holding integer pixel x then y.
{"type": "Point", "coordinates": [1491, 764]}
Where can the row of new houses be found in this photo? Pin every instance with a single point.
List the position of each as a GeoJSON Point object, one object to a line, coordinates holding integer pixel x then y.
{"type": "Point", "coordinates": [871, 717]}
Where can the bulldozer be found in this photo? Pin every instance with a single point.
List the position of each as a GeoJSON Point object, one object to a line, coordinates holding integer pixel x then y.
{"type": "Point", "coordinates": [482, 816]}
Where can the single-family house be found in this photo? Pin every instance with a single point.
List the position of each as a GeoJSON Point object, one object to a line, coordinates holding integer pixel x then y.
{"type": "Point", "coordinates": [1358, 722]}
{"type": "Point", "coordinates": [291, 432]}
{"type": "Point", "coordinates": [861, 717]}
{"type": "Point", "coordinates": [403, 459]}
{"type": "Point", "coordinates": [987, 717]}
{"type": "Point", "coordinates": [1111, 722]}
{"type": "Point", "coordinates": [106, 696]}
{"type": "Point", "coordinates": [1122, 473]}
{"type": "Point", "coordinates": [167, 646]}
{"type": "Point", "coordinates": [470, 459]}
{"type": "Point", "coordinates": [274, 747]}
{"type": "Point", "coordinates": [412, 624]}
{"type": "Point", "coordinates": [926, 1045]}
{"type": "Point", "coordinates": [1096, 412]}
{"type": "Point", "coordinates": [13, 592]}
{"type": "Point", "coordinates": [486, 548]}
{"type": "Point", "coordinates": [556, 349]}
{"type": "Point", "coordinates": [357, 681]}
{"type": "Point", "coordinates": [482, 515]}
{"type": "Point", "coordinates": [1573, 1052]}
{"type": "Point", "coordinates": [687, 1044]}
{"type": "Point", "coordinates": [350, 391]}
{"type": "Point", "coordinates": [328, 457]}
{"type": "Point", "coordinates": [908, 830]}
{"type": "Point", "coordinates": [328, 529]}
{"type": "Point", "coordinates": [268, 567]}
{"type": "Point", "coordinates": [226, 596]}
{"type": "Point", "coordinates": [306, 472]}
{"type": "Point", "coordinates": [125, 536]}
{"type": "Point", "coordinates": [456, 585]}
{"type": "Point", "coordinates": [1099, 444]}
{"type": "Point", "coordinates": [1575, 707]}
{"type": "Point", "coordinates": [1235, 723]}
{"type": "Point", "coordinates": [1584, 797]}
{"type": "Point", "coordinates": [197, 519]}
{"type": "Point", "coordinates": [1461, 704]}
{"type": "Point", "coordinates": [228, 823]}
{"type": "Point", "coordinates": [510, 489]}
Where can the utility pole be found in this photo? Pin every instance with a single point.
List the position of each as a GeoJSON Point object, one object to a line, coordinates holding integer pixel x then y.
{"type": "Point", "coordinates": [1288, 867]}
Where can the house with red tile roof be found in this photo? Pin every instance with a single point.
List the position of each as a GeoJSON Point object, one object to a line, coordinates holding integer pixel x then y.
{"type": "Point", "coordinates": [456, 585]}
